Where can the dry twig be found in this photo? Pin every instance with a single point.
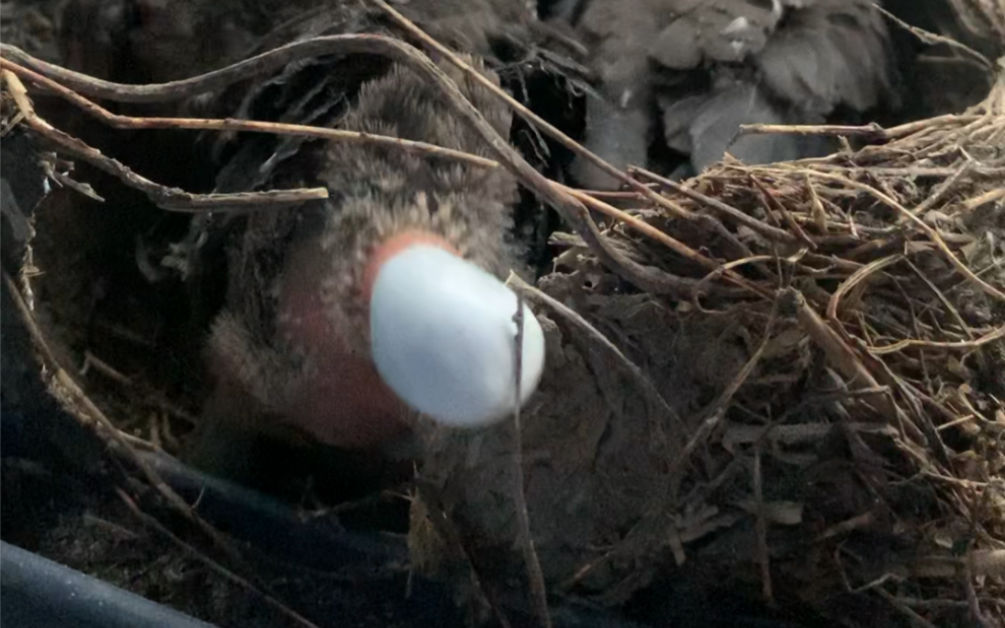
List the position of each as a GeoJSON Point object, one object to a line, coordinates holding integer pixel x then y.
{"type": "Point", "coordinates": [276, 128]}
{"type": "Point", "coordinates": [73, 394]}
{"type": "Point", "coordinates": [168, 198]}
{"type": "Point", "coordinates": [216, 567]}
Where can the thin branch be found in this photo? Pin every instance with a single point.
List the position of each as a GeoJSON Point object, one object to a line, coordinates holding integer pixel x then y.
{"type": "Point", "coordinates": [642, 277]}
{"type": "Point", "coordinates": [230, 124]}
{"type": "Point", "coordinates": [172, 199]}
{"type": "Point", "coordinates": [212, 564]}
{"type": "Point", "coordinates": [837, 351]}
{"type": "Point", "coordinates": [932, 233]}
{"type": "Point", "coordinates": [910, 613]}
{"type": "Point", "coordinates": [761, 529]}
{"type": "Point", "coordinates": [932, 344]}
{"type": "Point", "coordinates": [576, 320]}
{"type": "Point", "coordinates": [932, 38]}
{"type": "Point", "coordinates": [987, 197]}
{"type": "Point", "coordinates": [872, 131]}
{"type": "Point", "coordinates": [531, 117]}
{"type": "Point", "coordinates": [572, 211]}
{"type": "Point", "coordinates": [535, 576]}
{"type": "Point", "coordinates": [856, 278]}
{"type": "Point", "coordinates": [768, 231]}
{"type": "Point", "coordinates": [943, 188]}
{"type": "Point", "coordinates": [662, 237]}
{"type": "Point", "coordinates": [62, 377]}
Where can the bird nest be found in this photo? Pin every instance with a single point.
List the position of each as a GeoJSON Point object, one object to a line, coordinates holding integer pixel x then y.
{"type": "Point", "coordinates": [784, 380]}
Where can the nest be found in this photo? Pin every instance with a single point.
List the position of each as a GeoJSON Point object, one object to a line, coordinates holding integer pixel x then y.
{"type": "Point", "coordinates": [802, 397]}
{"type": "Point", "coordinates": [784, 380]}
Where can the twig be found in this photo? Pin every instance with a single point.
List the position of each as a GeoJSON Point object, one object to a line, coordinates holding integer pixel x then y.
{"type": "Point", "coordinates": [577, 320]}
{"type": "Point", "coordinates": [104, 368]}
{"type": "Point", "coordinates": [531, 117]}
{"type": "Point", "coordinates": [535, 577]}
{"type": "Point", "coordinates": [943, 188]}
{"type": "Point", "coordinates": [761, 528]}
{"type": "Point", "coordinates": [940, 295]}
{"type": "Point", "coordinates": [772, 233]}
{"type": "Point", "coordinates": [168, 198]}
{"type": "Point", "coordinates": [865, 520]}
{"type": "Point", "coordinates": [856, 278]}
{"type": "Point", "coordinates": [909, 612]}
{"type": "Point", "coordinates": [63, 378]}
{"type": "Point", "coordinates": [204, 83]}
{"type": "Point", "coordinates": [839, 354]}
{"type": "Point", "coordinates": [932, 38]}
{"type": "Point", "coordinates": [670, 242]}
{"type": "Point", "coordinates": [910, 171]}
{"type": "Point", "coordinates": [547, 29]}
{"type": "Point", "coordinates": [871, 131]}
{"type": "Point", "coordinates": [212, 564]}
{"type": "Point", "coordinates": [931, 344]}
{"type": "Point", "coordinates": [988, 197]}
{"type": "Point", "coordinates": [774, 203]}
{"type": "Point", "coordinates": [229, 124]}
{"type": "Point", "coordinates": [315, 47]}
{"type": "Point", "coordinates": [572, 211]}
{"type": "Point", "coordinates": [932, 233]}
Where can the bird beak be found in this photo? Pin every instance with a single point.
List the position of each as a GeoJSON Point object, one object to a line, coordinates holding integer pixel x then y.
{"type": "Point", "coordinates": [443, 334]}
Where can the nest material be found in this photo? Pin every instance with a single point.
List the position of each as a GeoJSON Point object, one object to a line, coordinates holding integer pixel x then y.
{"type": "Point", "coordinates": [823, 421]}
{"type": "Point", "coordinates": [800, 397]}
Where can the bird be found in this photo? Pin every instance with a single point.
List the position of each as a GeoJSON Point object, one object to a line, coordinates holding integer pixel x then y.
{"type": "Point", "coordinates": [345, 320]}
{"type": "Point", "coordinates": [688, 73]}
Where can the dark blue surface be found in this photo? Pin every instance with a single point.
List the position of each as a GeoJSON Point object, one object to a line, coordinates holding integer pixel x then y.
{"type": "Point", "coordinates": [38, 593]}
